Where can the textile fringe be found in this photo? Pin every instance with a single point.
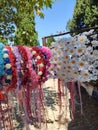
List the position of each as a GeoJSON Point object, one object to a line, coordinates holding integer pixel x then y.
{"type": "Point", "coordinates": [71, 87]}
{"type": "Point", "coordinates": [60, 94]}
{"type": "Point", "coordinates": [79, 89]}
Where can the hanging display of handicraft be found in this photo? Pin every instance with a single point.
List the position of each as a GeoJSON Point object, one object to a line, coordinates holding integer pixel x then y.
{"type": "Point", "coordinates": [76, 58]}
{"type": "Point", "coordinates": [74, 61]}
{"type": "Point", "coordinates": [22, 71]}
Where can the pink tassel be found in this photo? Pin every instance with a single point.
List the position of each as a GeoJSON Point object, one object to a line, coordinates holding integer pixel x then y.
{"type": "Point", "coordinates": [40, 105]}
{"type": "Point", "coordinates": [72, 93]}
{"type": "Point", "coordinates": [59, 94]}
{"type": "Point", "coordinates": [27, 120]}
{"type": "Point", "coordinates": [80, 97]}
{"type": "Point", "coordinates": [28, 99]}
{"type": "Point", "coordinates": [39, 101]}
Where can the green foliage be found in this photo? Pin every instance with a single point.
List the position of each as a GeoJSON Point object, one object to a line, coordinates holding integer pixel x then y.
{"type": "Point", "coordinates": [85, 15]}
{"type": "Point", "coordinates": [3, 40]}
{"type": "Point", "coordinates": [17, 20]}
{"type": "Point", "coordinates": [49, 41]}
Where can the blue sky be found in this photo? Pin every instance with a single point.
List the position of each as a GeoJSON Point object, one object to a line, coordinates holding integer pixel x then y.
{"type": "Point", "coordinates": [55, 19]}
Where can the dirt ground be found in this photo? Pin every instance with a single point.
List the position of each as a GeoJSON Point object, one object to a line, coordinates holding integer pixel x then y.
{"type": "Point", "coordinates": [61, 120]}
{"type": "Point", "coordinates": [87, 121]}
{"type": "Point", "coordinates": [52, 108]}
{"type": "Point", "coordinates": [55, 119]}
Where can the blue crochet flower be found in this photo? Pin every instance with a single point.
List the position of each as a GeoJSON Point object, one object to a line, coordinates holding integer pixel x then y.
{"type": "Point", "coordinates": [6, 60]}
{"type": "Point", "coordinates": [7, 66]}
{"type": "Point", "coordinates": [5, 51]}
{"type": "Point", "coordinates": [8, 71]}
{"type": "Point", "coordinates": [7, 81]}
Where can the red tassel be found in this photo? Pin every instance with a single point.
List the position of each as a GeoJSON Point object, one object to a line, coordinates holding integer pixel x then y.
{"type": "Point", "coordinates": [59, 94]}
{"type": "Point", "coordinates": [79, 89]}
{"type": "Point", "coordinates": [41, 97]}
{"type": "Point", "coordinates": [72, 94]}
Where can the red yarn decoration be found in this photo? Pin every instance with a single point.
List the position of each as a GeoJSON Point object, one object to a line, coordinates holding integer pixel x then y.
{"type": "Point", "coordinates": [39, 61]}
{"type": "Point", "coordinates": [25, 70]}
{"type": "Point", "coordinates": [2, 97]}
{"type": "Point", "coordinates": [14, 76]}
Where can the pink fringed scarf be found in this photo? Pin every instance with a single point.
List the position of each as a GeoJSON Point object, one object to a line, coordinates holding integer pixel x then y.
{"type": "Point", "coordinates": [72, 88]}
{"type": "Point", "coordinates": [79, 89]}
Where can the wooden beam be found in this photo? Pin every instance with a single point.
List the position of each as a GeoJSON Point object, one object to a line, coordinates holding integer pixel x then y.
{"type": "Point", "coordinates": [44, 41]}
{"type": "Point", "coordinates": [60, 34]}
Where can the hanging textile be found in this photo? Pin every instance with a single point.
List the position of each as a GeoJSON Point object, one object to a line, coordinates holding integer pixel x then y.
{"type": "Point", "coordinates": [23, 70]}
{"type": "Point", "coordinates": [75, 59]}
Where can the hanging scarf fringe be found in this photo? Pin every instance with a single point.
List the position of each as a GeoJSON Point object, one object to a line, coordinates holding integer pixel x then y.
{"type": "Point", "coordinates": [71, 87]}
{"type": "Point", "coordinates": [79, 90]}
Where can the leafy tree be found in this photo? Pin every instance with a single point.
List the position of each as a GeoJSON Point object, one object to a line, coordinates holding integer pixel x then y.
{"type": "Point", "coordinates": [17, 20]}
{"type": "Point", "coordinates": [49, 41]}
{"type": "Point", "coordinates": [85, 15]}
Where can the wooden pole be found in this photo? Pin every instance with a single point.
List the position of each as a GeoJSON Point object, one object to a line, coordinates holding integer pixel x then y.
{"type": "Point", "coordinates": [44, 41]}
